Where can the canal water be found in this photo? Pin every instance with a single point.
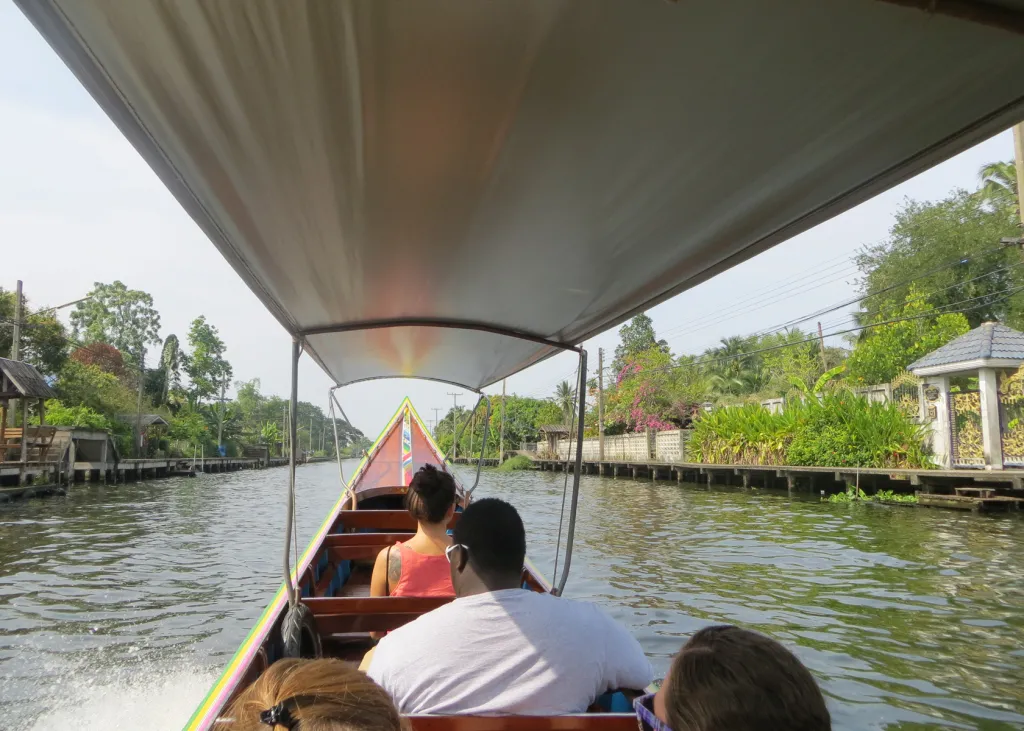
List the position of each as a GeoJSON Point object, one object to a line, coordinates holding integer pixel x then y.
{"type": "Point", "coordinates": [118, 605]}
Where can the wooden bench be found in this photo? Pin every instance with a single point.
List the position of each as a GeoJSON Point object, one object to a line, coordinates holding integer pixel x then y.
{"type": "Point", "coordinates": [39, 440]}
{"type": "Point", "coordinates": [343, 615]}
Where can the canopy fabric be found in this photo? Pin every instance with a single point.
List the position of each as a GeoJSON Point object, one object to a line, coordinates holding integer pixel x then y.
{"type": "Point", "coordinates": [537, 166]}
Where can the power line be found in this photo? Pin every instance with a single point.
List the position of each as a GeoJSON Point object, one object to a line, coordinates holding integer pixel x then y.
{"type": "Point", "coordinates": [924, 295]}
{"type": "Point", "coordinates": [704, 361]}
{"type": "Point", "coordinates": [846, 303]}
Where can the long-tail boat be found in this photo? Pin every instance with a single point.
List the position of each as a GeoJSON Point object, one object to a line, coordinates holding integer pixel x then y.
{"type": "Point", "coordinates": [457, 190]}
{"type": "Point", "coordinates": [333, 573]}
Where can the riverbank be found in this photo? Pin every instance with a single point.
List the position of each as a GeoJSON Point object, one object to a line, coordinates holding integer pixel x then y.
{"type": "Point", "coordinates": [960, 489]}
{"type": "Point", "coordinates": [51, 478]}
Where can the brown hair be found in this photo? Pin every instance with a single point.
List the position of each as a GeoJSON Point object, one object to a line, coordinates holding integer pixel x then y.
{"type": "Point", "coordinates": [319, 695]}
{"type": "Point", "coordinates": [731, 679]}
{"type": "Point", "coordinates": [431, 493]}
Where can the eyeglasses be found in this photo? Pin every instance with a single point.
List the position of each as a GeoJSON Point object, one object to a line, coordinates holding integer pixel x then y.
{"type": "Point", "coordinates": [448, 551]}
{"type": "Point", "coordinates": [644, 707]}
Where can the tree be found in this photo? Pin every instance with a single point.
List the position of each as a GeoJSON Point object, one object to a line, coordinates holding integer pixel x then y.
{"type": "Point", "coordinates": [81, 384]}
{"type": "Point", "coordinates": [734, 368]}
{"type": "Point", "coordinates": [999, 185]}
{"type": "Point", "coordinates": [565, 400]}
{"type": "Point", "coordinates": [118, 316]}
{"type": "Point", "coordinates": [43, 340]}
{"type": "Point", "coordinates": [207, 369]}
{"type": "Point", "coordinates": [170, 364]}
{"type": "Point", "coordinates": [643, 396]}
{"type": "Point", "coordinates": [636, 337]}
{"type": "Point", "coordinates": [270, 433]}
{"type": "Point", "coordinates": [105, 357]}
{"type": "Point", "coordinates": [924, 244]}
{"type": "Point", "coordinates": [189, 427]}
{"type": "Point", "coordinates": [889, 349]}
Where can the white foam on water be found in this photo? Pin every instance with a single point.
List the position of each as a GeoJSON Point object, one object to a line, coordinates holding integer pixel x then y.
{"type": "Point", "coordinates": [157, 699]}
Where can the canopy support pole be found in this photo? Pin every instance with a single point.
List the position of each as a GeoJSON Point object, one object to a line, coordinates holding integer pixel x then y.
{"type": "Point", "coordinates": [483, 448]}
{"type": "Point", "coordinates": [331, 402]}
{"type": "Point", "coordinates": [292, 421]}
{"type": "Point", "coordinates": [581, 391]}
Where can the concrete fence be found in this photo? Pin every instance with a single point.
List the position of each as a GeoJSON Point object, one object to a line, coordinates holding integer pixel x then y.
{"type": "Point", "coordinates": [649, 446]}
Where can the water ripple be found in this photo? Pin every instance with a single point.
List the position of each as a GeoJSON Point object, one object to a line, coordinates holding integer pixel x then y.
{"type": "Point", "coordinates": [119, 604]}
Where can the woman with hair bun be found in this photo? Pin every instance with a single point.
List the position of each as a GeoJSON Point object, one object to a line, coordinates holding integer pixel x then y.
{"type": "Point", "coordinates": [314, 695]}
{"type": "Point", "coordinates": [418, 566]}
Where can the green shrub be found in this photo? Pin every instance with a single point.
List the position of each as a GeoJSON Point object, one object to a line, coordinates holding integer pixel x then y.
{"type": "Point", "coordinates": [837, 429]}
{"type": "Point", "coordinates": [519, 462]}
{"type": "Point", "coordinates": [81, 417]}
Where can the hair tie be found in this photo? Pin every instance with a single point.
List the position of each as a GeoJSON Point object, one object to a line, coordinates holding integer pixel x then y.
{"type": "Point", "coordinates": [278, 715]}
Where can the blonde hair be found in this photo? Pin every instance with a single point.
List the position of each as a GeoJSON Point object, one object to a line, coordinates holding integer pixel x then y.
{"type": "Point", "coordinates": [319, 695]}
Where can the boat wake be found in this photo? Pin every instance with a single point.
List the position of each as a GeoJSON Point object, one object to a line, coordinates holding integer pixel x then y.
{"type": "Point", "coordinates": [155, 698]}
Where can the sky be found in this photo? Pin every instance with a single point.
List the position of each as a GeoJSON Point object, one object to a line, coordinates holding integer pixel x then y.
{"type": "Point", "coordinates": [78, 205]}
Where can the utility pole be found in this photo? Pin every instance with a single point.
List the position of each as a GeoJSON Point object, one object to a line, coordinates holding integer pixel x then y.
{"type": "Point", "coordinates": [16, 341]}
{"type": "Point", "coordinates": [501, 439]}
{"type": "Point", "coordinates": [455, 446]}
{"type": "Point", "coordinates": [437, 421]}
{"type": "Point", "coordinates": [821, 339]}
{"type": "Point", "coordinates": [138, 409]}
{"type": "Point", "coordinates": [1018, 149]}
{"type": "Point", "coordinates": [220, 416]}
{"type": "Point", "coordinates": [310, 433]}
{"type": "Point", "coordinates": [284, 429]}
{"type": "Point", "coordinates": [472, 428]}
{"type": "Point", "coordinates": [600, 404]}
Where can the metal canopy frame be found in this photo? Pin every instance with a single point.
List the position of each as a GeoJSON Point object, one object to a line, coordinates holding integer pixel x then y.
{"type": "Point", "coordinates": [299, 344]}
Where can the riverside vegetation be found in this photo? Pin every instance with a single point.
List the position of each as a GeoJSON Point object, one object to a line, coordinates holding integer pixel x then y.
{"type": "Point", "coordinates": [940, 273]}
{"type": "Point", "coordinates": [104, 372]}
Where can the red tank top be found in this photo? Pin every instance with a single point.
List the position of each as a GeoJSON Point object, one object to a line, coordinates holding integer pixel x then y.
{"type": "Point", "coordinates": [423, 575]}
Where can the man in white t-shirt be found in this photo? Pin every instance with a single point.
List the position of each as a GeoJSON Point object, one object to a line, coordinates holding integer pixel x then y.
{"type": "Point", "coordinates": [500, 649]}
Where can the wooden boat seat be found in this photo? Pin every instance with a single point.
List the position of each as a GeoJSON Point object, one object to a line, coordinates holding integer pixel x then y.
{"type": "Point", "coordinates": [576, 722]}
{"type": "Point", "coordinates": [344, 615]}
{"type": "Point", "coordinates": [381, 520]}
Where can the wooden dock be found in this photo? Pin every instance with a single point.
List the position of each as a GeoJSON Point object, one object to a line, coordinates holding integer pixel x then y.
{"type": "Point", "coordinates": [978, 490]}
{"type": "Point", "coordinates": [36, 479]}
{"type": "Point", "coordinates": [807, 478]}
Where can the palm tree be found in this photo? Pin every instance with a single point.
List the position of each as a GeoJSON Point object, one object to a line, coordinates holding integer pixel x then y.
{"type": "Point", "coordinates": [565, 399]}
{"type": "Point", "coordinates": [999, 184]}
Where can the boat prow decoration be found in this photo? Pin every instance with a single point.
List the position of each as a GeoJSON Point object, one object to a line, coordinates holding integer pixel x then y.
{"type": "Point", "coordinates": [385, 472]}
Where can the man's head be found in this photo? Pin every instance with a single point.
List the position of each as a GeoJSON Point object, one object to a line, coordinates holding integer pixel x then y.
{"type": "Point", "coordinates": [488, 548]}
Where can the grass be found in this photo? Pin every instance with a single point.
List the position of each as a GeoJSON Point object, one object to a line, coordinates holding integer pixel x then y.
{"type": "Point", "coordinates": [519, 462]}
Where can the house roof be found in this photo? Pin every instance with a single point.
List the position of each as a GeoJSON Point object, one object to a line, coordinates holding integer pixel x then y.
{"type": "Point", "coordinates": [147, 419]}
{"type": "Point", "coordinates": [990, 341]}
{"type": "Point", "coordinates": [27, 381]}
{"type": "Point", "coordinates": [554, 429]}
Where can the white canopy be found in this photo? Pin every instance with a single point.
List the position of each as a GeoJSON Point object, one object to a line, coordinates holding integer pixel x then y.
{"type": "Point", "coordinates": [534, 167]}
